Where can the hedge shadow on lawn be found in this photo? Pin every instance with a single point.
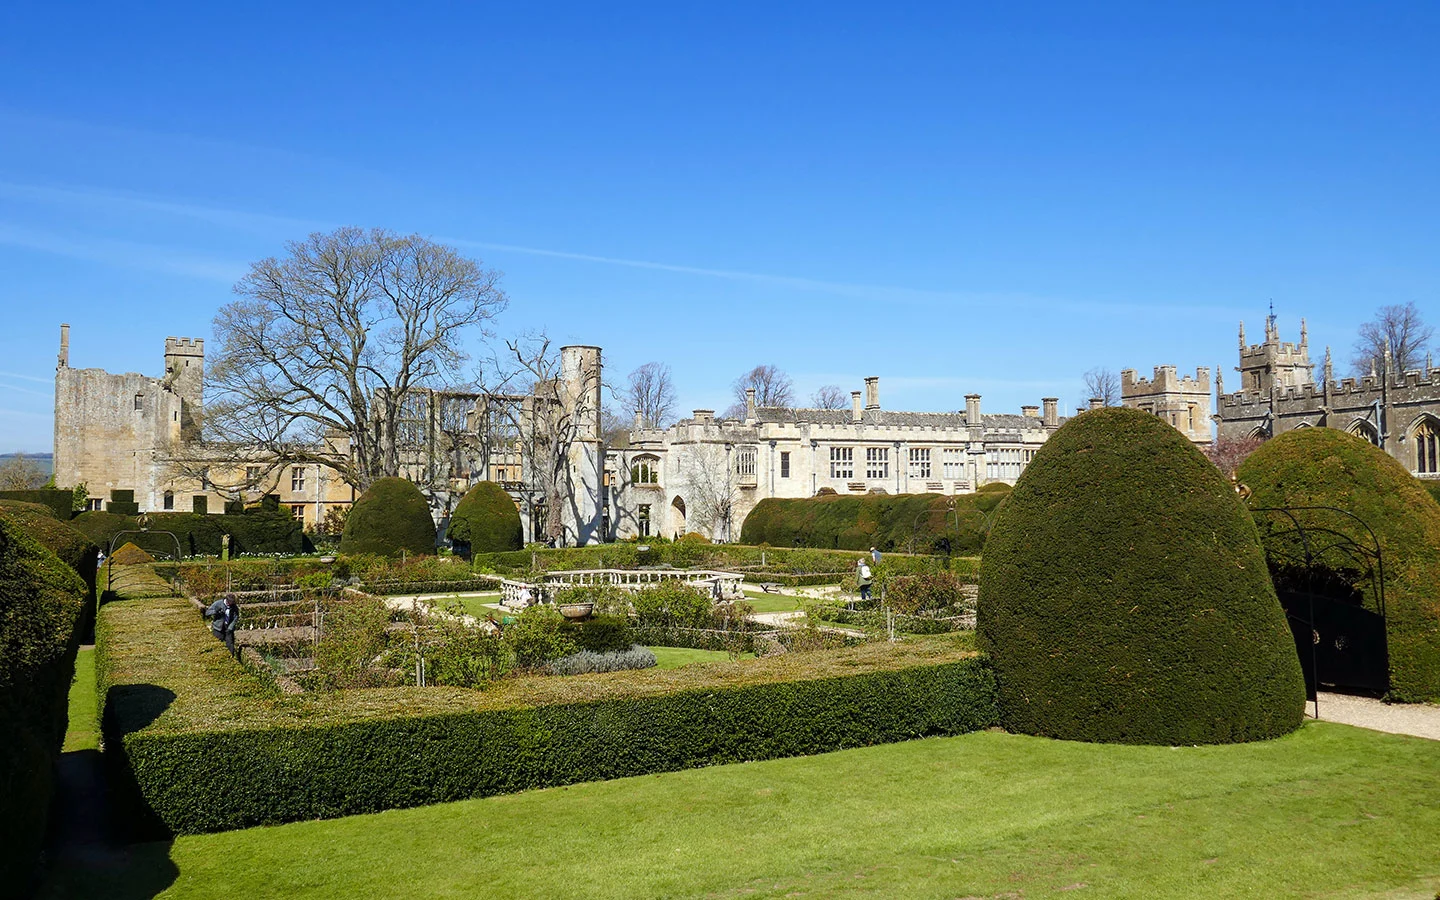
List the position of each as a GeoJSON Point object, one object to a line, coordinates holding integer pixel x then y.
{"type": "Point", "coordinates": [129, 708]}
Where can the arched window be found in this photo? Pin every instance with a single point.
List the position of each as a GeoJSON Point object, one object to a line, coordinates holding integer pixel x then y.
{"type": "Point", "coordinates": [1361, 428]}
{"type": "Point", "coordinates": [645, 470]}
{"type": "Point", "coordinates": [1427, 448]}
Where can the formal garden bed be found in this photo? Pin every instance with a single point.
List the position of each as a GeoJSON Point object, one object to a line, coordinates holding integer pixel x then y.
{"type": "Point", "coordinates": [175, 701]}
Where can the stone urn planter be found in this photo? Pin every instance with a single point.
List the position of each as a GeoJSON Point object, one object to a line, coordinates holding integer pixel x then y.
{"type": "Point", "coordinates": [577, 610]}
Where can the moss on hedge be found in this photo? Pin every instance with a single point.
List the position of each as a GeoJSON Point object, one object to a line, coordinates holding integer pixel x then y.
{"type": "Point", "coordinates": [390, 517]}
{"type": "Point", "coordinates": [1327, 467]}
{"type": "Point", "coordinates": [175, 701]}
{"type": "Point", "coordinates": [1124, 596]}
{"type": "Point", "coordinates": [486, 520]}
{"type": "Point", "coordinates": [42, 601]}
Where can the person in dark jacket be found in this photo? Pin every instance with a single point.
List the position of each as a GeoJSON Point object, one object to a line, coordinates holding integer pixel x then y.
{"type": "Point", "coordinates": [224, 616]}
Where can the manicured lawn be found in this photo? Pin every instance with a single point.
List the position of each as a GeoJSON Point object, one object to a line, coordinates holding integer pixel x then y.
{"type": "Point", "coordinates": [1330, 811]}
{"type": "Point", "coordinates": [675, 657]}
{"type": "Point", "coordinates": [770, 603]}
{"type": "Point", "coordinates": [84, 728]}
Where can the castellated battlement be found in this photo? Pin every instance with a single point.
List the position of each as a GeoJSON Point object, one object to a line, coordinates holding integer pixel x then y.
{"type": "Point", "coordinates": [184, 346]}
{"type": "Point", "coordinates": [1282, 348]}
{"type": "Point", "coordinates": [1166, 378]}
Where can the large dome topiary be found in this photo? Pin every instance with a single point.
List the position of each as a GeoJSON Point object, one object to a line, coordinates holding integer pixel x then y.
{"type": "Point", "coordinates": [1124, 596]}
{"type": "Point", "coordinates": [1327, 467]}
{"type": "Point", "coordinates": [486, 520]}
{"type": "Point", "coordinates": [390, 517]}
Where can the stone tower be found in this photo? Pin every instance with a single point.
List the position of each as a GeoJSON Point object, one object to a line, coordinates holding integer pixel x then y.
{"type": "Point", "coordinates": [580, 372]}
{"type": "Point", "coordinates": [1274, 364]}
{"type": "Point", "coordinates": [185, 377]}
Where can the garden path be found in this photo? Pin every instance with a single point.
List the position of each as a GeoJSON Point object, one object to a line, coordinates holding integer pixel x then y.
{"type": "Point", "coordinates": [1417, 719]}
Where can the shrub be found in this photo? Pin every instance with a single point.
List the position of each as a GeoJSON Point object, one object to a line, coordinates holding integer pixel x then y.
{"type": "Point", "coordinates": [601, 633]}
{"type": "Point", "coordinates": [391, 517]}
{"type": "Point", "coordinates": [463, 655]}
{"type": "Point", "coordinates": [250, 531]}
{"type": "Point", "coordinates": [130, 555]}
{"type": "Point", "coordinates": [920, 523]}
{"type": "Point", "coordinates": [352, 639]}
{"type": "Point", "coordinates": [1124, 596]}
{"type": "Point", "coordinates": [585, 662]}
{"type": "Point", "coordinates": [611, 601]}
{"type": "Point", "coordinates": [930, 592]}
{"type": "Point", "coordinates": [174, 705]}
{"type": "Point", "coordinates": [42, 603]}
{"type": "Point", "coordinates": [538, 636]}
{"type": "Point", "coordinates": [1327, 467]}
{"type": "Point", "coordinates": [672, 604]}
{"type": "Point", "coordinates": [58, 503]}
{"type": "Point", "coordinates": [72, 547]}
{"type": "Point", "coordinates": [486, 520]}
{"type": "Point", "coordinates": [1432, 487]}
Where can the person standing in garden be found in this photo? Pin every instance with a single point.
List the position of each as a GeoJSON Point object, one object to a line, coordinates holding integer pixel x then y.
{"type": "Point", "coordinates": [875, 557]}
{"type": "Point", "coordinates": [863, 578]}
{"type": "Point", "coordinates": [224, 616]}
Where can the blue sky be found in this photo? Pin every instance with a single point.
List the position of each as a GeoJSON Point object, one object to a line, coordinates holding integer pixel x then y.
{"type": "Point", "coordinates": [953, 197]}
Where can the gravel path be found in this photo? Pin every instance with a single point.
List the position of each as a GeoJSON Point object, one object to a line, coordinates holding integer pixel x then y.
{"type": "Point", "coordinates": [1418, 719]}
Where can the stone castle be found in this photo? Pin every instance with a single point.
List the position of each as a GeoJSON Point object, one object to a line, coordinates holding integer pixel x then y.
{"type": "Point", "coordinates": [1394, 410]}
{"type": "Point", "coordinates": [704, 474]}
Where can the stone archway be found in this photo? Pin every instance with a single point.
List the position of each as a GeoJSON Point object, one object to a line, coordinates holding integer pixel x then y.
{"type": "Point", "coordinates": [677, 517]}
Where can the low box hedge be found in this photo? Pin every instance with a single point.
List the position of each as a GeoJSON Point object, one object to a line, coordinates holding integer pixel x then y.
{"type": "Point", "coordinates": [211, 748]}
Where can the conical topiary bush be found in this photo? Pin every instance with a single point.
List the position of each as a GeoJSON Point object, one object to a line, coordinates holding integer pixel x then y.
{"type": "Point", "coordinates": [1124, 596]}
{"type": "Point", "coordinates": [390, 517]}
{"type": "Point", "coordinates": [486, 520]}
{"type": "Point", "coordinates": [1327, 467]}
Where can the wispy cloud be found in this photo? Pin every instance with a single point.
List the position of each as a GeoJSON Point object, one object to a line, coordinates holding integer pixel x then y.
{"type": "Point", "coordinates": [122, 253]}
{"type": "Point", "coordinates": [263, 223]}
{"type": "Point", "coordinates": [22, 377]}
{"type": "Point", "coordinates": [13, 389]}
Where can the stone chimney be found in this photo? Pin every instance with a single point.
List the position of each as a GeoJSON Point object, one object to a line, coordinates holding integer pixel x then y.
{"type": "Point", "coordinates": [704, 415]}
{"type": "Point", "coordinates": [972, 410]}
{"type": "Point", "coordinates": [1030, 412]}
{"type": "Point", "coordinates": [639, 420]}
{"type": "Point", "coordinates": [872, 392]}
{"type": "Point", "coordinates": [749, 403]}
{"type": "Point", "coordinates": [857, 412]}
{"type": "Point", "coordinates": [1052, 411]}
{"type": "Point", "coordinates": [64, 361]}
{"type": "Point", "coordinates": [1097, 403]}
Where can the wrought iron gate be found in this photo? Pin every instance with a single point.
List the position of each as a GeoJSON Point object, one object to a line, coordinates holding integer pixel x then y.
{"type": "Point", "coordinates": [1330, 576]}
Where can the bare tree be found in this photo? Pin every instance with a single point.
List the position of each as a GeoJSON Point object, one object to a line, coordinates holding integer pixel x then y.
{"type": "Point", "coordinates": [20, 473]}
{"type": "Point", "coordinates": [828, 396]}
{"type": "Point", "coordinates": [1228, 453]}
{"type": "Point", "coordinates": [772, 387]}
{"type": "Point", "coordinates": [1104, 384]}
{"type": "Point", "coordinates": [550, 424]}
{"type": "Point", "coordinates": [711, 490]}
{"type": "Point", "coordinates": [651, 393]}
{"type": "Point", "coordinates": [323, 349]}
{"type": "Point", "coordinates": [1404, 329]}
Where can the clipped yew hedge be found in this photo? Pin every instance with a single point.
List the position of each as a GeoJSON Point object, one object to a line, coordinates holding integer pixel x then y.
{"type": "Point", "coordinates": [42, 604]}
{"type": "Point", "coordinates": [175, 703]}
{"type": "Point", "coordinates": [924, 522]}
{"type": "Point", "coordinates": [60, 503]}
{"type": "Point", "coordinates": [392, 516]}
{"type": "Point", "coordinates": [251, 531]}
{"type": "Point", "coordinates": [71, 546]}
{"type": "Point", "coordinates": [1124, 596]}
{"type": "Point", "coordinates": [1328, 467]}
{"type": "Point", "coordinates": [486, 520]}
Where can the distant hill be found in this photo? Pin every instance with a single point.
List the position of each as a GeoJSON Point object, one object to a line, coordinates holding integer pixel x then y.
{"type": "Point", "coordinates": [45, 461]}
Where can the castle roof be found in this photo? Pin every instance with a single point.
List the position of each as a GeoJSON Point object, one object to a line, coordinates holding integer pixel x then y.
{"type": "Point", "coordinates": [893, 418]}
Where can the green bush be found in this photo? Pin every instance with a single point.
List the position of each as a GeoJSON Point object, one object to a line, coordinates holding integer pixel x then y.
{"type": "Point", "coordinates": [1433, 487]}
{"type": "Point", "coordinates": [1327, 467]}
{"type": "Point", "coordinates": [392, 516]}
{"type": "Point", "coordinates": [486, 521]}
{"type": "Point", "coordinates": [352, 639]}
{"type": "Point", "coordinates": [601, 633]}
{"type": "Point", "coordinates": [175, 703]}
{"type": "Point", "coordinates": [1124, 596]}
{"type": "Point", "coordinates": [253, 531]}
{"type": "Point", "coordinates": [57, 502]}
{"type": "Point", "coordinates": [42, 604]}
{"type": "Point", "coordinates": [672, 604]}
{"type": "Point", "coordinates": [917, 523]}
{"type": "Point", "coordinates": [930, 592]}
{"type": "Point", "coordinates": [72, 547]}
{"type": "Point", "coordinates": [538, 636]}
